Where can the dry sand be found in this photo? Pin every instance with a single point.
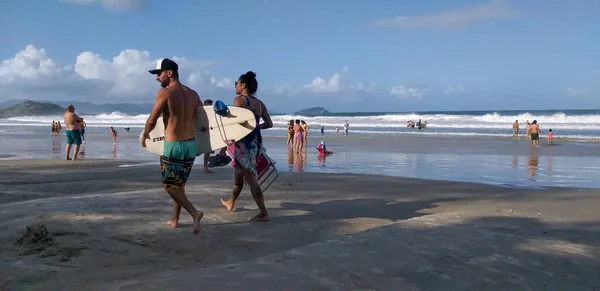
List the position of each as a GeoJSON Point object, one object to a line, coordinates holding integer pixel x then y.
{"type": "Point", "coordinates": [91, 225]}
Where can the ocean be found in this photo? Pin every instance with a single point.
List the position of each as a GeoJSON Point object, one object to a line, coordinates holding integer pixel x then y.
{"type": "Point", "coordinates": [456, 146]}
{"type": "Point", "coordinates": [571, 125]}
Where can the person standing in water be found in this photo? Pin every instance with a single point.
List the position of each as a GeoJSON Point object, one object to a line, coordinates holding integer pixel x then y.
{"type": "Point", "coordinates": [247, 150]}
{"type": "Point", "coordinates": [516, 129]}
{"type": "Point", "coordinates": [550, 137]}
{"type": "Point", "coordinates": [298, 136]}
{"type": "Point", "coordinates": [177, 104]}
{"type": "Point", "coordinates": [73, 133]}
{"type": "Point", "coordinates": [290, 138]}
{"type": "Point", "coordinates": [113, 133]}
{"type": "Point", "coordinates": [305, 129]}
{"type": "Point", "coordinates": [535, 134]}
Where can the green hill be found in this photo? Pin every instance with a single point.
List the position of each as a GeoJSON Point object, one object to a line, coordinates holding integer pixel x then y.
{"type": "Point", "coordinates": [32, 108]}
{"type": "Point", "coordinates": [314, 111]}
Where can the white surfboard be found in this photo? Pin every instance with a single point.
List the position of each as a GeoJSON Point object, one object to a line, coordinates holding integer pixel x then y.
{"type": "Point", "coordinates": [211, 130]}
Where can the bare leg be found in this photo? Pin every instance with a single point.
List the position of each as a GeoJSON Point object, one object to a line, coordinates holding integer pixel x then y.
{"type": "Point", "coordinates": [206, 169]}
{"type": "Point", "coordinates": [68, 152]}
{"type": "Point", "coordinates": [257, 194]}
{"type": "Point", "coordinates": [235, 193]}
{"type": "Point", "coordinates": [174, 221]}
{"type": "Point", "coordinates": [178, 196]}
{"type": "Point", "coordinates": [75, 152]}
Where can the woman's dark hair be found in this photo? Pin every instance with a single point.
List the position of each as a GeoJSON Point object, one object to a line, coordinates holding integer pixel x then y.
{"type": "Point", "coordinates": [291, 121]}
{"type": "Point", "coordinates": [297, 121]}
{"type": "Point", "coordinates": [250, 80]}
{"type": "Point", "coordinates": [302, 121]}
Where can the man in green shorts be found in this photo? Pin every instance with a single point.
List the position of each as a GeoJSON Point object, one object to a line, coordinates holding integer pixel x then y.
{"type": "Point", "coordinates": [73, 133]}
{"type": "Point", "coordinates": [177, 104]}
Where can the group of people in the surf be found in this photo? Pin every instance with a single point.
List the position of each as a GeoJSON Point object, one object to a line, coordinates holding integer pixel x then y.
{"type": "Point", "coordinates": [297, 137]}
{"type": "Point", "coordinates": [56, 126]}
{"type": "Point", "coordinates": [419, 124]}
{"type": "Point", "coordinates": [297, 134]}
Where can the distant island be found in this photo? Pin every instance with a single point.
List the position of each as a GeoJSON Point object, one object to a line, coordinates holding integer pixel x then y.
{"type": "Point", "coordinates": [314, 111]}
{"type": "Point", "coordinates": [85, 108]}
{"type": "Point", "coordinates": [32, 108]}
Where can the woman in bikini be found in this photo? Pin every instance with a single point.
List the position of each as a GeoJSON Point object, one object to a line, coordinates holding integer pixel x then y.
{"type": "Point", "coordinates": [247, 150]}
{"type": "Point", "coordinates": [290, 139]}
{"type": "Point", "coordinates": [298, 136]}
{"type": "Point", "coordinates": [305, 127]}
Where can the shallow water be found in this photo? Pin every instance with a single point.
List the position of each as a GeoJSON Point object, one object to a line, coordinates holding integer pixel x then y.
{"type": "Point", "coordinates": [505, 162]}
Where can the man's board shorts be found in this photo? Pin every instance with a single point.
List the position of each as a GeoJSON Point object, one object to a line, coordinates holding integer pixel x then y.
{"type": "Point", "coordinates": [73, 137]}
{"type": "Point", "coordinates": [176, 163]}
{"type": "Point", "coordinates": [515, 131]}
{"type": "Point", "coordinates": [535, 136]}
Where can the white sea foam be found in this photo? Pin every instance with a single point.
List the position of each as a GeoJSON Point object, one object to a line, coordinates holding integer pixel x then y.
{"type": "Point", "coordinates": [583, 127]}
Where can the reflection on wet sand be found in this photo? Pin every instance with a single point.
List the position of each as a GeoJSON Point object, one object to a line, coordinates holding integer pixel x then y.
{"type": "Point", "coordinates": [321, 160]}
{"type": "Point", "coordinates": [114, 151]}
{"type": "Point", "coordinates": [56, 146]}
{"type": "Point", "coordinates": [532, 165]}
{"type": "Point", "coordinates": [296, 160]}
{"type": "Point", "coordinates": [82, 151]}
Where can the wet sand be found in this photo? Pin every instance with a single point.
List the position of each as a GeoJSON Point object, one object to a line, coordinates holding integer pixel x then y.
{"type": "Point", "coordinates": [107, 231]}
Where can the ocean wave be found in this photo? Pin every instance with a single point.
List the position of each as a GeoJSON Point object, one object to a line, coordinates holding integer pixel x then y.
{"type": "Point", "coordinates": [402, 119]}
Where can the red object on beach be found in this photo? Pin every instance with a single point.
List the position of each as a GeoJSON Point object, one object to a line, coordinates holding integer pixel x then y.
{"type": "Point", "coordinates": [265, 170]}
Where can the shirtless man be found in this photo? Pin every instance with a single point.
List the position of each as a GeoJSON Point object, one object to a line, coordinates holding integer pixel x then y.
{"type": "Point", "coordinates": [73, 133]}
{"type": "Point", "coordinates": [535, 134]}
{"type": "Point", "coordinates": [516, 129]}
{"type": "Point", "coordinates": [177, 103]}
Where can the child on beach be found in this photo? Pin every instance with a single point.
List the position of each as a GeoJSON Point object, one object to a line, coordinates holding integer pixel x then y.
{"type": "Point", "coordinates": [113, 133]}
{"type": "Point", "coordinates": [322, 148]}
{"type": "Point", "coordinates": [550, 137]}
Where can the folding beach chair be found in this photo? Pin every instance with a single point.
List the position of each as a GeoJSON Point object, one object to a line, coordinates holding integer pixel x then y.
{"type": "Point", "coordinates": [265, 169]}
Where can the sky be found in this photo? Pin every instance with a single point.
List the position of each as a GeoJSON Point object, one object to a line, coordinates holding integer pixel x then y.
{"type": "Point", "coordinates": [346, 56]}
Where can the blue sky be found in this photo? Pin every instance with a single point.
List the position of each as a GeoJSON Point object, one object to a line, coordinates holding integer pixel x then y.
{"type": "Point", "coordinates": [342, 55]}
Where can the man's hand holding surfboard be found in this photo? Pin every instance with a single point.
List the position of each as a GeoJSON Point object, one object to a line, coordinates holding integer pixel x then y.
{"type": "Point", "coordinates": [212, 131]}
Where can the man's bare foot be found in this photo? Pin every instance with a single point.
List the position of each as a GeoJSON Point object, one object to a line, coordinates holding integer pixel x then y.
{"type": "Point", "coordinates": [67, 159]}
{"type": "Point", "coordinates": [173, 222]}
{"type": "Point", "coordinates": [207, 170]}
{"type": "Point", "coordinates": [260, 217]}
{"type": "Point", "coordinates": [197, 219]}
{"type": "Point", "coordinates": [228, 204]}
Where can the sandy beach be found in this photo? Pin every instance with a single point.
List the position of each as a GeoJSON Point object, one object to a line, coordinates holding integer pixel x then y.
{"type": "Point", "coordinates": [106, 230]}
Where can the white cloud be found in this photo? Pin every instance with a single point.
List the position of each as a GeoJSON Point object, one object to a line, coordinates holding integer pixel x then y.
{"type": "Point", "coordinates": [223, 83]}
{"type": "Point", "coordinates": [454, 90]}
{"type": "Point", "coordinates": [119, 5]}
{"type": "Point", "coordinates": [577, 91]}
{"type": "Point", "coordinates": [31, 73]}
{"type": "Point", "coordinates": [454, 18]}
{"type": "Point", "coordinates": [331, 85]}
{"type": "Point", "coordinates": [404, 91]}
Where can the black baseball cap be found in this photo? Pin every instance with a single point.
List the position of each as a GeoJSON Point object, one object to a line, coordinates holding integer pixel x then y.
{"type": "Point", "coordinates": [163, 65]}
